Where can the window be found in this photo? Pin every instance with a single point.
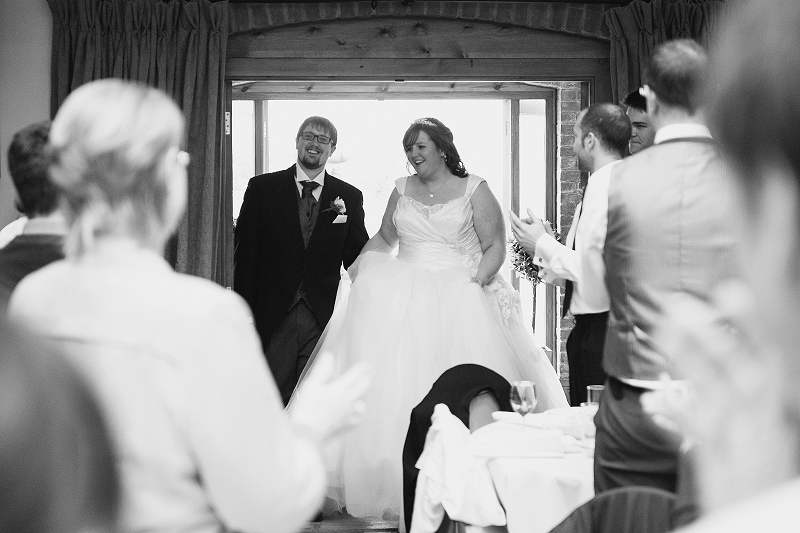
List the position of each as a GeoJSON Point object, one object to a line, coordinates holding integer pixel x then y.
{"type": "Point", "coordinates": [505, 133]}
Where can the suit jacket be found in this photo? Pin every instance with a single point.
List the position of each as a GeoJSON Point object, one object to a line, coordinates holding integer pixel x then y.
{"type": "Point", "coordinates": [670, 213]}
{"type": "Point", "coordinates": [270, 259]}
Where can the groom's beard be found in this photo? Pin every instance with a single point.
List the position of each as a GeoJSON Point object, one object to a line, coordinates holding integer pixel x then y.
{"type": "Point", "coordinates": [311, 163]}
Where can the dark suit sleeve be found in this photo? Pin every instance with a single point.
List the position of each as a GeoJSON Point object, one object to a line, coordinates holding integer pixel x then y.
{"type": "Point", "coordinates": [246, 245]}
{"type": "Point", "coordinates": [357, 235]}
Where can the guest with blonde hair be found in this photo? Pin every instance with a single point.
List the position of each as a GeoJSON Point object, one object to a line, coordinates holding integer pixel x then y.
{"type": "Point", "coordinates": [203, 442]}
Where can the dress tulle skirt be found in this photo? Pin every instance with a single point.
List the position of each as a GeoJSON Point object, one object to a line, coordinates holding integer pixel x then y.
{"type": "Point", "coordinates": [410, 324]}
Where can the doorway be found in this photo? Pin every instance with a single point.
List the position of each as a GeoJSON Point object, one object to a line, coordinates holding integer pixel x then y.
{"type": "Point", "coordinates": [505, 132]}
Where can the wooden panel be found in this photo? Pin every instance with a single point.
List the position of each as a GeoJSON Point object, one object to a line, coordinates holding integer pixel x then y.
{"type": "Point", "coordinates": [412, 38]}
{"type": "Point", "coordinates": [384, 90]}
{"type": "Point", "coordinates": [415, 69]}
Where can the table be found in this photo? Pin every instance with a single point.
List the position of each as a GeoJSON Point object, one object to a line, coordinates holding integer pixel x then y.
{"type": "Point", "coordinates": [527, 477]}
{"type": "Point", "coordinates": [537, 493]}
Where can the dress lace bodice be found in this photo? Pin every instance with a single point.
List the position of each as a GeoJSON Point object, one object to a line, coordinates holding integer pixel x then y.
{"type": "Point", "coordinates": [438, 236]}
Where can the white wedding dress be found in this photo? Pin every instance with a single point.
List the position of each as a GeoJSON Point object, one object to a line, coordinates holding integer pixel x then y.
{"type": "Point", "coordinates": [412, 317]}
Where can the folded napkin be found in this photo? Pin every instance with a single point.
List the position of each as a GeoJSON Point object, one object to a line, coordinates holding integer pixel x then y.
{"type": "Point", "coordinates": [452, 480]}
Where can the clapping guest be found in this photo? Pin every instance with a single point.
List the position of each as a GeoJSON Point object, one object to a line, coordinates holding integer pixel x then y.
{"type": "Point", "coordinates": [57, 471]}
{"type": "Point", "coordinates": [601, 134]}
{"type": "Point", "coordinates": [741, 353]}
{"type": "Point", "coordinates": [670, 215]}
{"type": "Point", "coordinates": [202, 438]}
{"type": "Point", "coordinates": [41, 239]}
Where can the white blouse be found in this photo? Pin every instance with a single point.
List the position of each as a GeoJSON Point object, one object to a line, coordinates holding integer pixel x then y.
{"type": "Point", "coordinates": [202, 439]}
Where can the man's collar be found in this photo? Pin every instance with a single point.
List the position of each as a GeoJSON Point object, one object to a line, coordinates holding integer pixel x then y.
{"type": "Point", "coordinates": [681, 131]}
{"type": "Point", "coordinates": [52, 224]}
{"type": "Point", "coordinates": [606, 167]}
{"type": "Point", "coordinates": [300, 175]}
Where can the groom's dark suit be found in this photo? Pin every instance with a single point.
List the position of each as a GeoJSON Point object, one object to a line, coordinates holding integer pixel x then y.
{"type": "Point", "coordinates": [271, 259]}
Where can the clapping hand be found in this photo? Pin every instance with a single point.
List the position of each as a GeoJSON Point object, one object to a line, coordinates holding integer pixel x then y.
{"type": "Point", "coordinates": [324, 407]}
{"type": "Point", "coordinates": [671, 407]}
{"type": "Point", "coordinates": [713, 344]}
{"type": "Point", "coordinates": [528, 231]}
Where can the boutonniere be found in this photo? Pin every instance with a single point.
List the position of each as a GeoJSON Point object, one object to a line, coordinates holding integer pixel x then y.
{"type": "Point", "coordinates": [337, 206]}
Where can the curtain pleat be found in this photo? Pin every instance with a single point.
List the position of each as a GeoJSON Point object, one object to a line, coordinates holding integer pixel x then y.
{"type": "Point", "coordinates": [179, 47]}
{"type": "Point", "coordinates": [637, 28]}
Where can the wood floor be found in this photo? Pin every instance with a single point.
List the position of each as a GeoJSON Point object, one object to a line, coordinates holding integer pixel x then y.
{"type": "Point", "coordinates": [349, 524]}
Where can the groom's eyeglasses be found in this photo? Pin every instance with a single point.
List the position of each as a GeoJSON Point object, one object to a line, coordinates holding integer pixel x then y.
{"type": "Point", "coordinates": [322, 139]}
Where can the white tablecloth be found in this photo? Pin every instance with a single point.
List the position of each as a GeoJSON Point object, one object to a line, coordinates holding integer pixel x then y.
{"type": "Point", "coordinates": [537, 473]}
{"type": "Point", "coordinates": [537, 493]}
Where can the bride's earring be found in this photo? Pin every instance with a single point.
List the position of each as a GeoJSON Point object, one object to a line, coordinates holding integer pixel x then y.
{"type": "Point", "coordinates": [409, 169]}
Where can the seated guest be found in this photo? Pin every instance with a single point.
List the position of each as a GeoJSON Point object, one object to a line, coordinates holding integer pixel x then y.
{"type": "Point", "coordinates": [741, 354]}
{"type": "Point", "coordinates": [57, 471]}
{"type": "Point", "coordinates": [203, 442]}
{"type": "Point", "coordinates": [42, 236]}
{"type": "Point", "coordinates": [642, 131]}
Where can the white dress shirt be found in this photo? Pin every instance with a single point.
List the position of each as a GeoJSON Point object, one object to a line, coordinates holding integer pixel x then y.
{"type": "Point", "coordinates": [584, 265]}
{"type": "Point", "coordinates": [202, 441]}
{"type": "Point", "coordinates": [300, 176]}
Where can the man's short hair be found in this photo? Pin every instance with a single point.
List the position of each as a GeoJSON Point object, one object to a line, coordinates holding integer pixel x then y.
{"type": "Point", "coordinates": [676, 73]}
{"type": "Point", "coordinates": [610, 125]}
{"type": "Point", "coordinates": [28, 163]}
{"type": "Point", "coordinates": [636, 101]}
{"type": "Point", "coordinates": [321, 123]}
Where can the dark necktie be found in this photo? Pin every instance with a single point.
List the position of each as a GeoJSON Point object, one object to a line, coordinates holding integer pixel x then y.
{"type": "Point", "coordinates": [307, 205]}
{"type": "Point", "coordinates": [307, 198]}
{"type": "Point", "coordinates": [570, 285]}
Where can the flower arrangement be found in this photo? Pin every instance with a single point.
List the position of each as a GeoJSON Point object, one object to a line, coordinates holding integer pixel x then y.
{"type": "Point", "coordinates": [337, 206]}
{"type": "Point", "coordinates": [523, 262]}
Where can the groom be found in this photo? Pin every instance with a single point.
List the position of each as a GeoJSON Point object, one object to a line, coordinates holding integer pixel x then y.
{"type": "Point", "coordinates": [295, 230]}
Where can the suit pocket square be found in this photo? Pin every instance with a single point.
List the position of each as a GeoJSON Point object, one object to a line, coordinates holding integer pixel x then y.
{"type": "Point", "coordinates": [340, 219]}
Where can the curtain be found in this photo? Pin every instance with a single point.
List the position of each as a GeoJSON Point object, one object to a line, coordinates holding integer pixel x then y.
{"type": "Point", "coordinates": [636, 29]}
{"type": "Point", "coordinates": [177, 46]}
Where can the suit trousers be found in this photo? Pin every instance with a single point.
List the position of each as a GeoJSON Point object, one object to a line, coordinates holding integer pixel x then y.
{"type": "Point", "coordinates": [585, 354]}
{"type": "Point", "coordinates": [630, 449]}
{"type": "Point", "coordinates": [290, 346]}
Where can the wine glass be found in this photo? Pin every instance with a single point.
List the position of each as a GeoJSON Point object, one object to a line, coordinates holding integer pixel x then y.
{"type": "Point", "coordinates": [523, 398]}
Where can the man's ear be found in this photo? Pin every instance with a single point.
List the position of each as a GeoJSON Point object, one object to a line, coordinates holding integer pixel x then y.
{"type": "Point", "coordinates": [589, 141]}
{"type": "Point", "coordinates": [333, 148]}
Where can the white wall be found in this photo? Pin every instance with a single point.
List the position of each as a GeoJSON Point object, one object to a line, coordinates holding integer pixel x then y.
{"type": "Point", "coordinates": [25, 40]}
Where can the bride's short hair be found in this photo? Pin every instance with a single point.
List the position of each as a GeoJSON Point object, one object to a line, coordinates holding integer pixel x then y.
{"type": "Point", "coordinates": [109, 144]}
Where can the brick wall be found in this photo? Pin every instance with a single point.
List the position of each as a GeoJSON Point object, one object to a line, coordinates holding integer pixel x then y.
{"type": "Point", "coordinates": [569, 190]}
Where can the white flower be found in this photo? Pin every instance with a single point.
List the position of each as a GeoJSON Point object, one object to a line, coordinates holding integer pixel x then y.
{"type": "Point", "coordinates": [338, 206]}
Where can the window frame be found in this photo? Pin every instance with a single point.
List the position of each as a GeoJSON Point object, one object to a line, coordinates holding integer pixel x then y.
{"type": "Point", "coordinates": [261, 91]}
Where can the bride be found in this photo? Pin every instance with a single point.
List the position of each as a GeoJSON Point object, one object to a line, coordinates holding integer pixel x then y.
{"type": "Point", "coordinates": [439, 303]}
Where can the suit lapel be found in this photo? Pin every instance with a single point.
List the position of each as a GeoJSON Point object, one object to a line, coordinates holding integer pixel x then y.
{"type": "Point", "coordinates": [324, 218]}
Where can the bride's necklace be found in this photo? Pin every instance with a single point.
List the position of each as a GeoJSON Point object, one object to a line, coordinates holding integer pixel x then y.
{"type": "Point", "coordinates": [431, 191]}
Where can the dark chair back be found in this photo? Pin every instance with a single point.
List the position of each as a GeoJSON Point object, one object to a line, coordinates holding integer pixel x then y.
{"type": "Point", "coordinates": [455, 388]}
{"type": "Point", "coordinates": [623, 510]}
